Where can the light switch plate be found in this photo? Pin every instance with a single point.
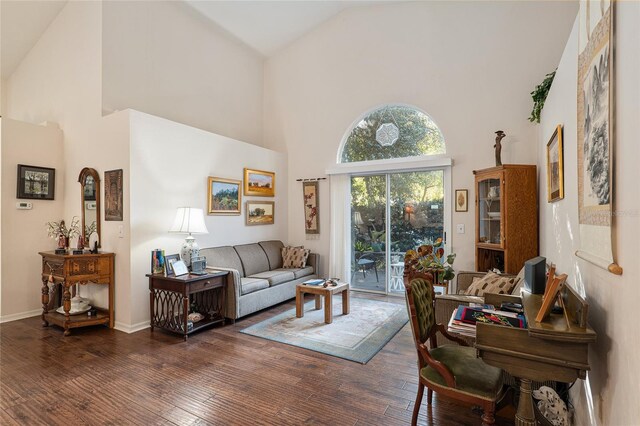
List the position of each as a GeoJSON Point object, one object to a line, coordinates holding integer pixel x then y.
{"type": "Point", "coordinates": [120, 231]}
{"type": "Point", "coordinates": [460, 228]}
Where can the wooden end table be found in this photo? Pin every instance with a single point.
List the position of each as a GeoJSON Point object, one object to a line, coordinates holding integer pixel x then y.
{"type": "Point", "coordinates": [328, 293]}
{"type": "Point", "coordinates": [171, 297]}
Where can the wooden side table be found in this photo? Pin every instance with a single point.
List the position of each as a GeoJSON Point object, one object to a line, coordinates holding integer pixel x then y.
{"type": "Point", "coordinates": [328, 293]}
{"type": "Point", "coordinates": [67, 270]}
{"type": "Point", "coordinates": [170, 299]}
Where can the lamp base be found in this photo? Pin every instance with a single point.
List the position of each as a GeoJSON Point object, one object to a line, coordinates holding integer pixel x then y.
{"type": "Point", "coordinates": [189, 250]}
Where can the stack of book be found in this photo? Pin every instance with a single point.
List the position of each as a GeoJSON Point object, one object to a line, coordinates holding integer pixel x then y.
{"type": "Point", "coordinates": [464, 318]}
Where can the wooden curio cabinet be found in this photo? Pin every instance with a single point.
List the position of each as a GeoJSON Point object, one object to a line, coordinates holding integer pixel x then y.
{"type": "Point", "coordinates": [506, 217]}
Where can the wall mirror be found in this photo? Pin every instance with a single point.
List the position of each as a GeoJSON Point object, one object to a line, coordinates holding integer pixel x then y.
{"type": "Point", "coordinates": [90, 193]}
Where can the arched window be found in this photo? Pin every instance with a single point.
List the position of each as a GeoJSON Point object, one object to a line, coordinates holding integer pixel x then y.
{"type": "Point", "coordinates": [392, 131]}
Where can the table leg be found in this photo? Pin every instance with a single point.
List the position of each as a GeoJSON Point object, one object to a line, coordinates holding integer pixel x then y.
{"type": "Point", "coordinates": [328, 311]}
{"type": "Point", "coordinates": [525, 415]}
{"type": "Point", "coordinates": [299, 304]}
{"type": "Point", "coordinates": [45, 300]}
{"type": "Point", "coordinates": [185, 313]}
{"type": "Point", "coordinates": [318, 301]}
{"type": "Point", "coordinates": [151, 306]}
{"type": "Point", "coordinates": [66, 304]}
{"type": "Point", "coordinates": [345, 302]}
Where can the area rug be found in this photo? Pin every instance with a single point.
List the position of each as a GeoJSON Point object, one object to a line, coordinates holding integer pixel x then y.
{"type": "Point", "coordinates": [358, 336]}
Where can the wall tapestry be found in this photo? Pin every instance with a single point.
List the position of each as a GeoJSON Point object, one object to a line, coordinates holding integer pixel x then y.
{"type": "Point", "coordinates": [113, 195]}
{"type": "Point", "coordinates": [595, 133]}
{"type": "Point", "coordinates": [311, 218]}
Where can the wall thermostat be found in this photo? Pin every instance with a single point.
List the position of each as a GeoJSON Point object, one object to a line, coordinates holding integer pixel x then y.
{"type": "Point", "coordinates": [24, 205]}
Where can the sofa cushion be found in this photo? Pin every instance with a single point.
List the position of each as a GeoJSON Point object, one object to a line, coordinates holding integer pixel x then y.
{"type": "Point", "coordinates": [275, 277]}
{"type": "Point", "coordinates": [299, 272]}
{"type": "Point", "coordinates": [225, 257]}
{"type": "Point", "coordinates": [273, 249]}
{"type": "Point", "coordinates": [294, 257]}
{"type": "Point", "coordinates": [253, 258]}
{"type": "Point", "coordinates": [249, 285]}
{"type": "Point", "coordinates": [491, 283]}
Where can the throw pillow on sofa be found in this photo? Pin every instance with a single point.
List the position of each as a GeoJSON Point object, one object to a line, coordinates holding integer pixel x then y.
{"type": "Point", "coordinates": [294, 257]}
{"type": "Point", "coordinates": [491, 283]}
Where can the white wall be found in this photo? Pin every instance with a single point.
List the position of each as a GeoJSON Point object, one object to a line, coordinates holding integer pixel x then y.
{"type": "Point", "coordinates": [609, 396]}
{"type": "Point", "coordinates": [164, 58]}
{"type": "Point", "coordinates": [170, 165]}
{"type": "Point", "coordinates": [470, 65]}
{"type": "Point", "coordinates": [23, 231]}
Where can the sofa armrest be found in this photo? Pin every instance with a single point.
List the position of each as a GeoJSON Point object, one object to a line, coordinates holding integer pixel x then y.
{"type": "Point", "coordinates": [314, 261]}
{"type": "Point", "coordinates": [234, 288]}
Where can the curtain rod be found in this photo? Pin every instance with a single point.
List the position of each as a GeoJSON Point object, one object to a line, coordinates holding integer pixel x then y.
{"type": "Point", "coordinates": [311, 179]}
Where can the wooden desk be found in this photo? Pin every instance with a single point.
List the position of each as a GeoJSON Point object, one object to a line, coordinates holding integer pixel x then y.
{"type": "Point", "coordinates": [170, 299]}
{"type": "Point", "coordinates": [555, 349]}
{"type": "Point", "coordinates": [67, 270]}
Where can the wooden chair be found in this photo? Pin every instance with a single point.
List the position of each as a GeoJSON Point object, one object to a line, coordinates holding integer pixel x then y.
{"type": "Point", "coordinates": [451, 370]}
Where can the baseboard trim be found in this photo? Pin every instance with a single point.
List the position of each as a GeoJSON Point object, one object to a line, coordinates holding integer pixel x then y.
{"type": "Point", "coordinates": [21, 315]}
{"type": "Point", "coordinates": [132, 328]}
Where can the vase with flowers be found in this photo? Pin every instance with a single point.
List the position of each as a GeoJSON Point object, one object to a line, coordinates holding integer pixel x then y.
{"type": "Point", "coordinates": [431, 258]}
{"type": "Point", "coordinates": [58, 230]}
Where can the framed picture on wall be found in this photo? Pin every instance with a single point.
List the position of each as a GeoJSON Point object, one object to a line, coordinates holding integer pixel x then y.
{"type": "Point", "coordinates": [311, 207]}
{"type": "Point", "coordinates": [36, 183]}
{"type": "Point", "coordinates": [555, 167]}
{"type": "Point", "coordinates": [259, 183]}
{"type": "Point", "coordinates": [260, 213]}
{"type": "Point", "coordinates": [113, 195]}
{"type": "Point", "coordinates": [462, 200]}
{"type": "Point", "coordinates": [224, 196]}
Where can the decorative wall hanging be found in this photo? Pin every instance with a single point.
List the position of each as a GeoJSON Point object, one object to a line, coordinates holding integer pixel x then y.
{"type": "Point", "coordinates": [113, 195]}
{"type": "Point", "coordinates": [462, 200]}
{"type": "Point", "coordinates": [224, 196]}
{"type": "Point", "coordinates": [260, 213]}
{"type": "Point", "coordinates": [595, 131]}
{"type": "Point", "coordinates": [259, 183]}
{"type": "Point", "coordinates": [311, 207]}
{"type": "Point", "coordinates": [555, 166]}
{"type": "Point", "coordinates": [36, 183]}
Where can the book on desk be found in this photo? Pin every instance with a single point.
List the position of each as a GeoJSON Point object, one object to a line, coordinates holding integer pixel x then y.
{"type": "Point", "coordinates": [464, 319]}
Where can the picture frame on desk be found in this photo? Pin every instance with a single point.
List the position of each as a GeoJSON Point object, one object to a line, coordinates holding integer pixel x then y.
{"type": "Point", "coordinates": [180, 268]}
{"type": "Point", "coordinates": [169, 260]}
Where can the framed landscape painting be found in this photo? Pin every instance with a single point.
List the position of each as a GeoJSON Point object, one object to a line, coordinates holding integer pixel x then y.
{"type": "Point", "coordinates": [259, 183]}
{"type": "Point", "coordinates": [224, 196]}
{"type": "Point", "coordinates": [36, 183]}
{"type": "Point", "coordinates": [555, 167]}
{"type": "Point", "coordinates": [260, 213]}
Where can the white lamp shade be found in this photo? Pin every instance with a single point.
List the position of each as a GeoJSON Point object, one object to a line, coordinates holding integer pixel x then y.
{"type": "Point", "coordinates": [189, 221]}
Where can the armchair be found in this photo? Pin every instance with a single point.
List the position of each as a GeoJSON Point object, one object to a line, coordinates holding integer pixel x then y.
{"type": "Point", "coordinates": [452, 370]}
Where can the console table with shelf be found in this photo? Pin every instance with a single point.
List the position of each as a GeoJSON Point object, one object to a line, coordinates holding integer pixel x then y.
{"type": "Point", "coordinates": [171, 298]}
{"type": "Point", "coordinates": [67, 270]}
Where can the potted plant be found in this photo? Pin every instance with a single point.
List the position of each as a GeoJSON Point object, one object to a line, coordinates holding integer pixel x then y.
{"type": "Point", "coordinates": [378, 239]}
{"type": "Point", "coordinates": [59, 231]}
{"type": "Point", "coordinates": [431, 258]}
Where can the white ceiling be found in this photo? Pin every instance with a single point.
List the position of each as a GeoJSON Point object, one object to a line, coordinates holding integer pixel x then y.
{"type": "Point", "coordinates": [22, 24]}
{"type": "Point", "coordinates": [268, 26]}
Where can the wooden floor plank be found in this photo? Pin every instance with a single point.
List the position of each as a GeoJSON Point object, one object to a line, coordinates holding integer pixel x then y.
{"type": "Point", "coordinates": [99, 376]}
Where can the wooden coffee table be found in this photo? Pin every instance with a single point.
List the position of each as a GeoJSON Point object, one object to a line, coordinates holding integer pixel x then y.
{"type": "Point", "coordinates": [328, 293]}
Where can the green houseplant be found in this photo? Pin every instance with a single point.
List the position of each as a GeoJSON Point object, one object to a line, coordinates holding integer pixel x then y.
{"type": "Point", "coordinates": [431, 258]}
{"type": "Point", "coordinates": [539, 96]}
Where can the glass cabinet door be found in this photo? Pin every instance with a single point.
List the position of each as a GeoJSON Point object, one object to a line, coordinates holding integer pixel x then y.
{"type": "Point", "coordinates": [489, 211]}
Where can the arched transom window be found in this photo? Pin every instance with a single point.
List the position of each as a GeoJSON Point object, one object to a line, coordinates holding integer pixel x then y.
{"type": "Point", "coordinates": [392, 131]}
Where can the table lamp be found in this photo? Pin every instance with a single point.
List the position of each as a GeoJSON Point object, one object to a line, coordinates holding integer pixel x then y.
{"type": "Point", "coordinates": [189, 221]}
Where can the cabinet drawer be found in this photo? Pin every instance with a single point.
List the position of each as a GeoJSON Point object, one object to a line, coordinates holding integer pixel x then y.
{"type": "Point", "coordinates": [206, 284]}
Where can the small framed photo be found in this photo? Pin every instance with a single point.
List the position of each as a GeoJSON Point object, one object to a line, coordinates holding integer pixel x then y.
{"type": "Point", "coordinates": [169, 260]}
{"type": "Point", "coordinates": [462, 200]}
{"type": "Point", "coordinates": [180, 268]}
{"type": "Point", "coordinates": [224, 196]}
{"type": "Point", "coordinates": [555, 167]}
{"type": "Point", "coordinates": [259, 183]}
{"type": "Point", "coordinates": [36, 183]}
{"type": "Point", "coordinates": [260, 213]}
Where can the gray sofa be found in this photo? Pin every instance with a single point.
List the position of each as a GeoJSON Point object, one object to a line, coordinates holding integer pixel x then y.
{"type": "Point", "coordinates": [257, 279]}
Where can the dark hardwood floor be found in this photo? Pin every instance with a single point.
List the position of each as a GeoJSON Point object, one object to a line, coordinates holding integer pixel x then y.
{"type": "Point", "coordinates": [220, 376]}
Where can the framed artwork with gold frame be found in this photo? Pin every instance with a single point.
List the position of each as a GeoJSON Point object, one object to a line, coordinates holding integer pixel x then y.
{"type": "Point", "coordinates": [555, 167]}
{"type": "Point", "coordinates": [462, 200]}
{"type": "Point", "coordinates": [224, 196]}
{"type": "Point", "coordinates": [259, 183]}
{"type": "Point", "coordinates": [260, 213]}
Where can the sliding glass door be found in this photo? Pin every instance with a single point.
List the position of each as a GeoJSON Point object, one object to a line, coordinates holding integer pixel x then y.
{"type": "Point", "coordinates": [390, 214]}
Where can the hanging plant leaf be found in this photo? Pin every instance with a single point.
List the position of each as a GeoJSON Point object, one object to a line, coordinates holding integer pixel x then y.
{"type": "Point", "coordinates": [539, 96]}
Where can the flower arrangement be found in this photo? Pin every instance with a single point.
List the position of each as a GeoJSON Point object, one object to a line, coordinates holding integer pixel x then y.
{"type": "Point", "coordinates": [431, 258]}
{"type": "Point", "coordinates": [57, 229]}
